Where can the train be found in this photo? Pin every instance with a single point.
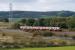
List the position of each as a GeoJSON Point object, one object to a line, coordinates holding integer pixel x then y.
{"type": "Point", "coordinates": [40, 28]}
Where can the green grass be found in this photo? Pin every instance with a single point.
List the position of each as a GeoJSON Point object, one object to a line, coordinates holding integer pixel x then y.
{"type": "Point", "coordinates": [49, 48]}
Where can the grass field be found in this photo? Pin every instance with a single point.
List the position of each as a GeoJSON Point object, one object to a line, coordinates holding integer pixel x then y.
{"type": "Point", "coordinates": [49, 48]}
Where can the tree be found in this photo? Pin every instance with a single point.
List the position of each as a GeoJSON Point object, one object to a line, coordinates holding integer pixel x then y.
{"type": "Point", "coordinates": [30, 22]}
{"type": "Point", "coordinates": [23, 21]}
{"type": "Point", "coordinates": [71, 22]}
{"type": "Point", "coordinates": [41, 22]}
{"type": "Point", "coordinates": [6, 20]}
{"type": "Point", "coordinates": [63, 25]}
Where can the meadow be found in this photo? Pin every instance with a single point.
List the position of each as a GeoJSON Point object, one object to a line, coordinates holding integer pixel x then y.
{"type": "Point", "coordinates": [48, 48]}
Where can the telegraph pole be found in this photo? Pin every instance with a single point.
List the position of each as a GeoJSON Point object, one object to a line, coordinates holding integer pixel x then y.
{"type": "Point", "coordinates": [10, 14]}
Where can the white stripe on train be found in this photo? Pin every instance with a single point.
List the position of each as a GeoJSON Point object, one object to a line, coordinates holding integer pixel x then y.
{"type": "Point", "coordinates": [39, 27]}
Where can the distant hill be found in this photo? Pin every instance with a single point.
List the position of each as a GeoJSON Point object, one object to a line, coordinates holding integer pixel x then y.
{"type": "Point", "coordinates": [35, 14]}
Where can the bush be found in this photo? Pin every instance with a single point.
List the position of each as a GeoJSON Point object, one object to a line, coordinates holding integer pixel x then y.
{"type": "Point", "coordinates": [73, 37]}
{"type": "Point", "coordinates": [47, 33]}
{"type": "Point", "coordinates": [15, 26]}
{"type": "Point", "coordinates": [57, 42]}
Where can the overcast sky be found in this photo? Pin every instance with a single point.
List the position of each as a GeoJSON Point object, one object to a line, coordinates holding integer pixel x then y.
{"type": "Point", "coordinates": [38, 5]}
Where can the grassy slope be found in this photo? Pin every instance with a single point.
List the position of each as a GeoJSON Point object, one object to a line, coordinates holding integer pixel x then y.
{"type": "Point", "coordinates": [50, 48]}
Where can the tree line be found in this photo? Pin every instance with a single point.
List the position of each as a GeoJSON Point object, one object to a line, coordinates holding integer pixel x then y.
{"type": "Point", "coordinates": [63, 22]}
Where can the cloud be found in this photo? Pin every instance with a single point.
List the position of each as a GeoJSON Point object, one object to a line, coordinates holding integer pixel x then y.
{"type": "Point", "coordinates": [39, 5]}
{"type": "Point", "coordinates": [24, 1]}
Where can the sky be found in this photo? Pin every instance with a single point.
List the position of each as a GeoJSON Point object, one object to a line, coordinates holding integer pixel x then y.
{"type": "Point", "coordinates": [38, 5]}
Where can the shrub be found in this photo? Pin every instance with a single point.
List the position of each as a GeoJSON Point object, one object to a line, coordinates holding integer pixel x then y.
{"type": "Point", "coordinates": [47, 33]}
{"type": "Point", "coordinates": [15, 26]}
{"type": "Point", "coordinates": [57, 42]}
{"type": "Point", "coordinates": [73, 37]}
